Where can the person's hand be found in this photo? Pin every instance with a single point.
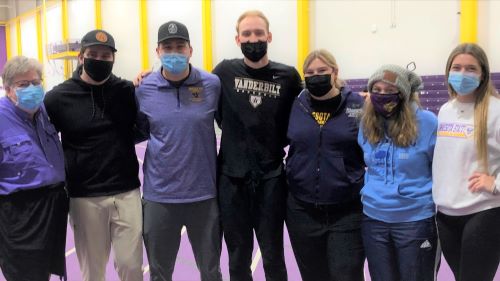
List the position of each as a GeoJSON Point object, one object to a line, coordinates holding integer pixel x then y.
{"type": "Point", "coordinates": [481, 182]}
{"type": "Point", "coordinates": [365, 95]}
{"type": "Point", "coordinates": [137, 81]}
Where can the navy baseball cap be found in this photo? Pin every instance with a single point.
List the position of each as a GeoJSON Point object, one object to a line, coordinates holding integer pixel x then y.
{"type": "Point", "coordinates": [172, 29]}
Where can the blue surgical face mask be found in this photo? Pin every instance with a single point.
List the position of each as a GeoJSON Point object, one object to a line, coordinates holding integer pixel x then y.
{"type": "Point", "coordinates": [463, 83]}
{"type": "Point", "coordinates": [174, 63]}
{"type": "Point", "coordinates": [30, 98]}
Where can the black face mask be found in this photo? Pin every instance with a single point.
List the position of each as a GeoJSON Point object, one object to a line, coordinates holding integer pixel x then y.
{"type": "Point", "coordinates": [254, 51]}
{"type": "Point", "coordinates": [98, 70]}
{"type": "Point", "coordinates": [319, 85]}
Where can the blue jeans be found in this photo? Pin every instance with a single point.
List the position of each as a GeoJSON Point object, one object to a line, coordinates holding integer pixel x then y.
{"type": "Point", "coordinates": [406, 251]}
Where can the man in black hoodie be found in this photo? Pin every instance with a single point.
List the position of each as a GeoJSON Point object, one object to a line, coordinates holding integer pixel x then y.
{"type": "Point", "coordinates": [95, 113]}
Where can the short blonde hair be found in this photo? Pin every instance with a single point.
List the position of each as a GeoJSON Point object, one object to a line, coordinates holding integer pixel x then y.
{"type": "Point", "coordinates": [252, 13]}
{"type": "Point", "coordinates": [19, 65]}
{"type": "Point", "coordinates": [328, 59]}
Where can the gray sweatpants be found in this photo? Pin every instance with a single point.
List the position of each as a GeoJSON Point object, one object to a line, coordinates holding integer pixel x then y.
{"type": "Point", "coordinates": [162, 235]}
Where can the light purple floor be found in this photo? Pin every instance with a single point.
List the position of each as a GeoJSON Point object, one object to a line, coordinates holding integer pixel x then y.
{"type": "Point", "coordinates": [185, 268]}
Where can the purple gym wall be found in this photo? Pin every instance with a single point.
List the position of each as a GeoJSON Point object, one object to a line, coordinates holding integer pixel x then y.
{"type": "Point", "coordinates": [3, 47]}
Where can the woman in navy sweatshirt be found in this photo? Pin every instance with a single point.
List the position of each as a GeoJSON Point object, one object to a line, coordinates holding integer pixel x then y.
{"type": "Point", "coordinates": [325, 171]}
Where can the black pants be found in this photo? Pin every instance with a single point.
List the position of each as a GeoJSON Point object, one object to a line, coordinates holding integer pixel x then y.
{"type": "Point", "coordinates": [471, 244]}
{"type": "Point", "coordinates": [326, 240]}
{"type": "Point", "coordinates": [162, 236]}
{"type": "Point", "coordinates": [33, 233]}
{"type": "Point", "coordinates": [246, 206]}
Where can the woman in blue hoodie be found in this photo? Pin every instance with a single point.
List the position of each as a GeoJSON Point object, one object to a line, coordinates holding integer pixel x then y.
{"type": "Point", "coordinates": [325, 171]}
{"type": "Point", "coordinates": [398, 138]}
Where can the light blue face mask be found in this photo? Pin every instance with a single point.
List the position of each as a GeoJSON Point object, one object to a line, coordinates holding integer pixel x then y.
{"type": "Point", "coordinates": [174, 63]}
{"type": "Point", "coordinates": [30, 98]}
{"type": "Point", "coordinates": [463, 84]}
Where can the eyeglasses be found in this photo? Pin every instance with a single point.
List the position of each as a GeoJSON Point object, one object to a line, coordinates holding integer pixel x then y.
{"type": "Point", "coordinates": [26, 83]}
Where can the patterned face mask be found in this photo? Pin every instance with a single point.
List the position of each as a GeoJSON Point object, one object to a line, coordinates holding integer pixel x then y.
{"type": "Point", "coordinates": [386, 104]}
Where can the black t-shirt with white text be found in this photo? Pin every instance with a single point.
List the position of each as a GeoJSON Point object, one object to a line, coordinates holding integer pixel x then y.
{"type": "Point", "coordinates": [253, 113]}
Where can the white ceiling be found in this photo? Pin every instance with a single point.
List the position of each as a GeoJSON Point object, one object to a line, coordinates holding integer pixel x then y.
{"type": "Point", "coordinates": [12, 8]}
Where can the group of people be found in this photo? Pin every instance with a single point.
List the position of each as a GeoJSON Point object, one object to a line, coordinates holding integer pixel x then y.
{"type": "Point", "coordinates": [371, 177]}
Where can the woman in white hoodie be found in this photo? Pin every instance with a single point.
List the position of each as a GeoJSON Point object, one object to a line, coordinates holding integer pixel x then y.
{"type": "Point", "coordinates": [466, 167]}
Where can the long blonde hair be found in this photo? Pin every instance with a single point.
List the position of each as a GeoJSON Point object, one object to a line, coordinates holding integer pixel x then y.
{"type": "Point", "coordinates": [402, 129]}
{"type": "Point", "coordinates": [482, 98]}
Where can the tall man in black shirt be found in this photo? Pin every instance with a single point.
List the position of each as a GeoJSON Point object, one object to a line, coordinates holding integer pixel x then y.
{"type": "Point", "coordinates": [257, 95]}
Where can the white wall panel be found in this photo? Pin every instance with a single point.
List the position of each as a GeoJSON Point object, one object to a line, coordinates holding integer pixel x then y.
{"type": "Point", "coordinates": [282, 16]}
{"type": "Point", "coordinates": [489, 31]}
{"type": "Point", "coordinates": [53, 69]}
{"type": "Point", "coordinates": [81, 18]}
{"type": "Point", "coordinates": [363, 35]}
{"type": "Point", "coordinates": [121, 19]}
{"type": "Point", "coordinates": [13, 39]}
{"type": "Point", "coordinates": [29, 40]}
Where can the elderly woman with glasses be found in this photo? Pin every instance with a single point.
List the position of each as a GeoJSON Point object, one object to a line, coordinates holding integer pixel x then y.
{"type": "Point", "coordinates": [33, 201]}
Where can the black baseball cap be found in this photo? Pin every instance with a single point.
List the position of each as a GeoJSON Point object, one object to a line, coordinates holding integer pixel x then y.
{"type": "Point", "coordinates": [172, 29]}
{"type": "Point", "coordinates": [98, 37]}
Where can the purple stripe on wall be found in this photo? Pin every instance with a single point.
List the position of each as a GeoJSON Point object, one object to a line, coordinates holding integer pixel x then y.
{"type": "Point", "coordinates": [3, 47]}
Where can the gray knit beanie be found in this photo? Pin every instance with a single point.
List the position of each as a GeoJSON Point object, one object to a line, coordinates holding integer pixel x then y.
{"type": "Point", "coordinates": [406, 81]}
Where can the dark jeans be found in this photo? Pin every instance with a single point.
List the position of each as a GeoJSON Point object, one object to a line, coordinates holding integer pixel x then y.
{"type": "Point", "coordinates": [326, 240]}
{"type": "Point", "coordinates": [406, 251]}
{"type": "Point", "coordinates": [471, 244]}
{"type": "Point", "coordinates": [162, 234]}
{"type": "Point", "coordinates": [246, 206]}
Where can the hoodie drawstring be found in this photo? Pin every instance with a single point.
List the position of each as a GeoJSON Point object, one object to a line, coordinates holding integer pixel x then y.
{"type": "Point", "coordinates": [389, 161]}
{"type": "Point", "coordinates": [93, 103]}
{"type": "Point", "coordinates": [94, 109]}
{"type": "Point", "coordinates": [103, 103]}
{"type": "Point", "coordinates": [392, 161]}
{"type": "Point", "coordinates": [385, 166]}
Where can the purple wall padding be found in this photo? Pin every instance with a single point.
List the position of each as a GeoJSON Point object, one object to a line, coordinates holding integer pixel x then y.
{"type": "Point", "coordinates": [3, 47]}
